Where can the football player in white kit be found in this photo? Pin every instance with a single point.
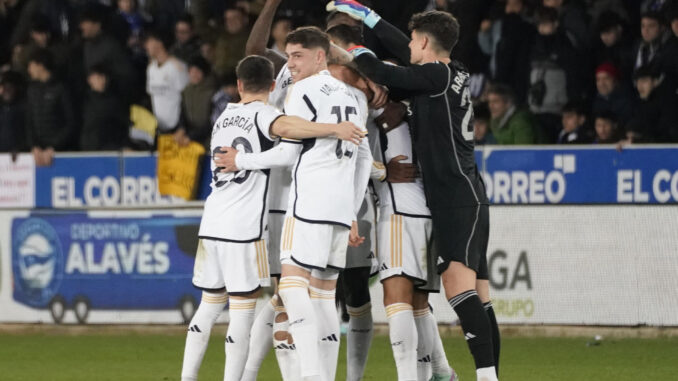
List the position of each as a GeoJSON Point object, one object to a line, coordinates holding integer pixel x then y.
{"type": "Point", "coordinates": [231, 254]}
{"type": "Point", "coordinates": [328, 186]}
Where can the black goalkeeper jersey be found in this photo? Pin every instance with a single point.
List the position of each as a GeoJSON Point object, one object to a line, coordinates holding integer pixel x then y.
{"type": "Point", "coordinates": [442, 120]}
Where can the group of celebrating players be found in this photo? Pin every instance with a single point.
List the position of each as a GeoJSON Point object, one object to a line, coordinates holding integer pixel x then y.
{"type": "Point", "coordinates": [291, 201]}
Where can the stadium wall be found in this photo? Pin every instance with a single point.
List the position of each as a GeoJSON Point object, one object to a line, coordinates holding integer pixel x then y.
{"type": "Point", "coordinates": [578, 265]}
{"type": "Point", "coordinates": [578, 236]}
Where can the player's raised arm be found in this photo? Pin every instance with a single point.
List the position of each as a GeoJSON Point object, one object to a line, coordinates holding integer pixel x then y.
{"type": "Point", "coordinates": [256, 42]}
{"type": "Point", "coordinates": [391, 37]}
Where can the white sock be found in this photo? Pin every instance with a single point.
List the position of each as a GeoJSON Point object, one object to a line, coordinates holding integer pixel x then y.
{"type": "Point", "coordinates": [294, 292]}
{"type": "Point", "coordinates": [358, 340]}
{"type": "Point", "coordinates": [329, 334]}
{"type": "Point", "coordinates": [438, 357]}
{"type": "Point", "coordinates": [486, 374]}
{"type": "Point", "coordinates": [403, 334]}
{"type": "Point", "coordinates": [285, 351]}
{"type": "Point", "coordinates": [261, 340]}
{"type": "Point", "coordinates": [241, 312]}
{"type": "Point", "coordinates": [424, 344]}
{"type": "Point", "coordinates": [198, 334]}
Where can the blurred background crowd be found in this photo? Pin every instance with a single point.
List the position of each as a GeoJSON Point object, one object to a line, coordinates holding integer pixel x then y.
{"type": "Point", "coordinates": [78, 74]}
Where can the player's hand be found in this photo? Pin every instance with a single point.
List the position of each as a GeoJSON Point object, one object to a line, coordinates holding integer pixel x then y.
{"type": "Point", "coordinates": [398, 172]}
{"type": "Point", "coordinates": [355, 10]}
{"type": "Point", "coordinates": [393, 115]}
{"type": "Point", "coordinates": [354, 239]}
{"type": "Point", "coordinates": [380, 96]}
{"type": "Point", "coordinates": [349, 132]}
{"type": "Point", "coordinates": [226, 159]}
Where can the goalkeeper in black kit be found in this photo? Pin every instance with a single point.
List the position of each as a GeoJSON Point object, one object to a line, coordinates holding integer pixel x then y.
{"type": "Point", "coordinates": [442, 130]}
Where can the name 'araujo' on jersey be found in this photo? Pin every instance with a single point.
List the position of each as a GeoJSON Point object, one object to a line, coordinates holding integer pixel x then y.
{"type": "Point", "coordinates": [323, 178]}
{"type": "Point", "coordinates": [235, 210]}
{"type": "Point", "coordinates": [280, 179]}
{"type": "Point", "coordinates": [407, 199]}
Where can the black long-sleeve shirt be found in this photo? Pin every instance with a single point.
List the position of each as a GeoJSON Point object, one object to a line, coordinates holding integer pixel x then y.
{"type": "Point", "coordinates": [442, 120]}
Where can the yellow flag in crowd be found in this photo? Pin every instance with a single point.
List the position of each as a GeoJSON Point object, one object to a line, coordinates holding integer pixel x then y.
{"type": "Point", "coordinates": [178, 167]}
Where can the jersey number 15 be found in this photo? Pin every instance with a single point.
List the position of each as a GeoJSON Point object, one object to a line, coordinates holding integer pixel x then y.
{"type": "Point", "coordinates": [342, 150]}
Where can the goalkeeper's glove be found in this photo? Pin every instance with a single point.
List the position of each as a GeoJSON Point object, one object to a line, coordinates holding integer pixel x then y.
{"type": "Point", "coordinates": [355, 10]}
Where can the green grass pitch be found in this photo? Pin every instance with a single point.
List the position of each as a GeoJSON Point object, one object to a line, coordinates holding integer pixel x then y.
{"type": "Point", "coordinates": [142, 356]}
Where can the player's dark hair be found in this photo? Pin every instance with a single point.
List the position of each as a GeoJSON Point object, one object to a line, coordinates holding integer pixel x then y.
{"type": "Point", "coordinates": [346, 34]}
{"type": "Point", "coordinates": [441, 26]}
{"type": "Point", "coordinates": [256, 73]}
{"type": "Point", "coordinates": [309, 37]}
{"type": "Point", "coordinates": [43, 57]}
{"type": "Point", "coordinates": [504, 91]}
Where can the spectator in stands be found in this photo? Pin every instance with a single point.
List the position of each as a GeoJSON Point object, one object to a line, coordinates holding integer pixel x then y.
{"type": "Point", "coordinates": [509, 125]}
{"type": "Point", "coordinates": [606, 128]}
{"type": "Point", "coordinates": [481, 125]}
{"type": "Point", "coordinates": [101, 49]}
{"type": "Point", "coordinates": [650, 48]}
{"type": "Point", "coordinates": [611, 95]}
{"type": "Point", "coordinates": [187, 43]}
{"type": "Point", "coordinates": [40, 38]}
{"type": "Point", "coordinates": [554, 76]}
{"type": "Point", "coordinates": [573, 19]}
{"type": "Point", "coordinates": [12, 113]}
{"type": "Point", "coordinates": [574, 120]}
{"type": "Point", "coordinates": [613, 46]}
{"type": "Point", "coordinates": [655, 117]}
{"type": "Point", "coordinates": [49, 113]}
{"type": "Point", "coordinates": [134, 21]}
{"type": "Point", "coordinates": [670, 64]}
{"type": "Point", "coordinates": [279, 31]}
{"type": "Point", "coordinates": [228, 92]}
{"type": "Point", "coordinates": [166, 77]}
{"type": "Point", "coordinates": [230, 46]}
{"type": "Point", "coordinates": [196, 104]}
{"type": "Point", "coordinates": [105, 119]}
{"type": "Point", "coordinates": [507, 41]}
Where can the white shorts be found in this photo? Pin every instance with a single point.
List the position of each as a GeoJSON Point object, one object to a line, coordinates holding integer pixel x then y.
{"type": "Point", "coordinates": [404, 244]}
{"type": "Point", "coordinates": [275, 225]}
{"type": "Point", "coordinates": [313, 246]}
{"type": "Point", "coordinates": [240, 268]}
{"type": "Point", "coordinates": [365, 254]}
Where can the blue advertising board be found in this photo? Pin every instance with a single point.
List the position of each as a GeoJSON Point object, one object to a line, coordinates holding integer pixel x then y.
{"type": "Point", "coordinates": [580, 175]}
{"type": "Point", "coordinates": [64, 260]}
{"type": "Point", "coordinates": [534, 175]}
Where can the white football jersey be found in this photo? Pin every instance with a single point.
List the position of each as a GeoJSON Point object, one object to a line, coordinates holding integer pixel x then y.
{"type": "Point", "coordinates": [282, 83]}
{"type": "Point", "coordinates": [323, 177]}
{"type": "Point", "coordinates": [164, 84]}
{"type": "Point", "coordinates": [235, 210]}
{"type": "Point", "coordinates": [281, 178]}
{"type": "Point", "coordinates": [407, 199]}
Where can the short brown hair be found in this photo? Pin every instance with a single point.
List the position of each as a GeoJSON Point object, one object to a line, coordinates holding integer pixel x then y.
{"type": "Point", "coordinates": [441, 26]}
{"type": "Point", "coordinates": [309, 37]}
{"type": "Point", "coordinates": [256, 73]}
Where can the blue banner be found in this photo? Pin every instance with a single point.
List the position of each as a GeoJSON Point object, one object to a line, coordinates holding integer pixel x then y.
{"type": "Point", "coordinates": [542, 175]}
{"type": "Point", "coordinates": [143, 263]}
{"type": "Point", "coordinates": [580, 176]}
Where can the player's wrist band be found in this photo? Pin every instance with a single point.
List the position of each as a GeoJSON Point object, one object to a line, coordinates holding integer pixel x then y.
{"type": "Point", "coordinates": [358, 50]}
{"type": "Point", "coordinates": [372, 19]}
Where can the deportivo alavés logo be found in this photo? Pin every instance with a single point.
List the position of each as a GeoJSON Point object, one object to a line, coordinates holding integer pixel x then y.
{"type": "Point", "coordinates": [37, 262]}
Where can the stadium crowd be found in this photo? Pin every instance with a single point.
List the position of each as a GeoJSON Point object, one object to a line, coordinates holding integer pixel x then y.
{"type": "Point", "coordinates": [543, 71]}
